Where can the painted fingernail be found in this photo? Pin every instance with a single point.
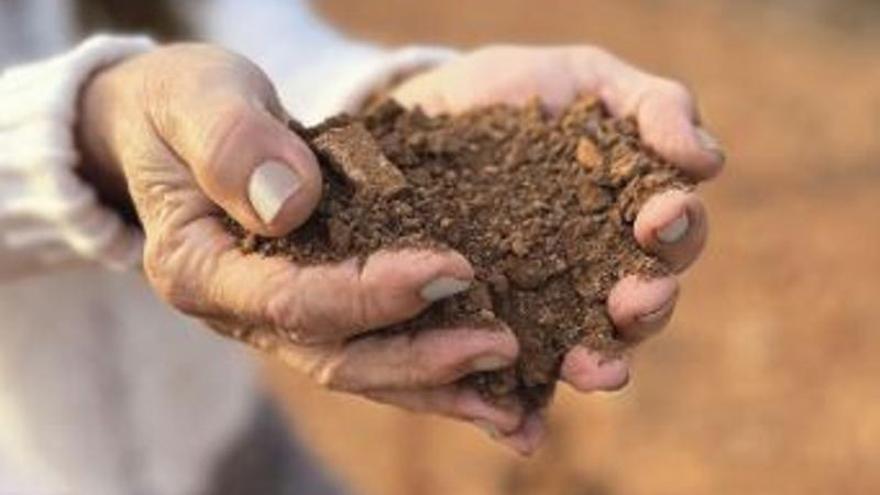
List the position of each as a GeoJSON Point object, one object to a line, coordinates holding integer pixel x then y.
{"type": "Point", "coordinates": [443, 287]}
{"type": "Point", "coordinates": [659, 313]}
{"type": "Point", "coordinates": [271, 185]}
{"type": "Point", "coordinates": [489, 363]}
{"type": "Point", "coordinates": [675, 230]}
{"type": "Point", "coordinates": [487, 427]}
{"type": "Point", "coordinates": [709, 142]}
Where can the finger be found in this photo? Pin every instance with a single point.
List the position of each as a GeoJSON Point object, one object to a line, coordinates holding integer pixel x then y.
{"type": "Point", "coordinates": [640, 307]}
{"type": "Point", "coordinates": [226, 125]}
{"type": "Point", "coordinates": [197, 267]}
{"type": "Point", "coordinates": [391, 286]}
{"type": "Point", "coordinates": [674, 226]}
{"type": "Point", "coordinates": [589, 371]}
{"type": "Point", "coordinates": [427, 358]}
{"type": "Point", "coordinates": [667, 119]}
{"type": "Point", "coordinates": [420, 92]}
{"type": "Point", "coordinates": [527, 73]}
{"type": "Point", "coordinates": [527, 439]}
{"type": "Point", "coordinates": [456, 402]}
{"type": "Point", "coordinates": [664, 109]}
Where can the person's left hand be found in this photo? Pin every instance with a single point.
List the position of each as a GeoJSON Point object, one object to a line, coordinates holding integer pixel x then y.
{"type": "Point", "coordinates": [672, 225]}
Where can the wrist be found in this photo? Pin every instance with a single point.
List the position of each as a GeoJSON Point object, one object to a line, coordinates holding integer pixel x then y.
{"type": "Point", "coordinates": [98, 166]}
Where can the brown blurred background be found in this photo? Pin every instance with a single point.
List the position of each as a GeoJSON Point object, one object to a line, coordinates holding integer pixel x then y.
{"type": "Point", "coordinates": [767, 380]}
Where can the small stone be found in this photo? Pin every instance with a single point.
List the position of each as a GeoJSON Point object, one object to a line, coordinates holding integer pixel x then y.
{"type": "Point", "coordinates": [486, 315]}
{"type": "Point", "coordinates": [502, 383]}
{"type": "Point", "coordinates": [479, 296]}
{"type": "Point", "coordinates": [249, 243]}
{"type": "Point", "coordinates": [357, 156]}
{"type": "Point", "coordinates": [592, 197]}
{"type": "Point", "coordinates": [499, 283]}
{"type": "Point", "coordinates": [527, 275]}
{"type": "Point", "coordinates": [588, 154]}
{"type": "Point", "coordinates": [340, 234]}
{"type": "Point", "coordinates": [519, 247]}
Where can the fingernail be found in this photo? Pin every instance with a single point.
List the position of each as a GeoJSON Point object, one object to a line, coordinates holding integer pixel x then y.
{"type": "Point", "coordinates": [489, 363]}
{"type": "Point", "coordinates": [271, 185]}
{"type": "Point", "coordinates": [659, 313]}
{"type": "Point", "coordinates": [443, 287]}
{"type": "Point", "coordinates": [489, 428]}
{"type": "Point", "coordinates": [675, 230]}
{"type": "Point", "coordinates": [709, 142]}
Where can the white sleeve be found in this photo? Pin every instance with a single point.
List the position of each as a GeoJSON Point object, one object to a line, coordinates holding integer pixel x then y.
{"type": "Point", "coordinates": [318, 72]}
{"type": "Point", "coordinates": [48, 216]}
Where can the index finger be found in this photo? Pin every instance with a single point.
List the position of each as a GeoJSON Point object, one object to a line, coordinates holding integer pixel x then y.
{"type": "Point", "coordinates": [199, 269]}
{"type": "Point", "coordinates": [665, 110]}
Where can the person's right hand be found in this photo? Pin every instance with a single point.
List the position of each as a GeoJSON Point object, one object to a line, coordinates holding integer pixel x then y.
{"type": "Point", "coordinates": [190, 131]}
{"type": "Point", "coordinates": [673, 225]}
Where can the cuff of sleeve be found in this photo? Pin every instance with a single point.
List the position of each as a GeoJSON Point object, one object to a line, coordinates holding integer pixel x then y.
{"type": "Point", "coordinates": [48, 215]}
{"type": "Point", "coordinates": [346, 77]}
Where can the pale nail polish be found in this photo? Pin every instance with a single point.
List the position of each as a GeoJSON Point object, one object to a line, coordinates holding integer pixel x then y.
{"type": "Point", "coordinates": [674, 231]}
{"type": "Point", "coordinates": [489, 428]}
{"type": "Point", "coordinates": [489, 363]}
{"type": "Point", "coordinates": [271, 185]}
{"type": "Point", "coordinates": [443, 287]}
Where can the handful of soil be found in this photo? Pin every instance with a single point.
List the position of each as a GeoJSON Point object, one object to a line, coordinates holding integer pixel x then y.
{"type": "Point", "coordinates": [542, 206]}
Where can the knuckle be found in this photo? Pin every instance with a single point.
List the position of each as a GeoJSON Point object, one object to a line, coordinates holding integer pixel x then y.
{"type": "Point", "coordinates": [591, 52]}
{"type": "Point", "coordinates": [328, 373]}
{"type": "Point", "coordinates": [419, 366]}
{"type": "Point", "coordinates": [165, 280]}
{"type": "Point", "coordinates": [230, 119]}
{"type": "Point", "coordinates": [329, 381]}
{"type": "Point", "coordinates": [280, 311]}
{"type": "Point", "coordinates": [416, 373]}
{"type": "Point", "coordinates": [360, 312]}
{"type": "Point", "coordinates": [162, 85]}
{"type": "Point", "coordinates": [284, 313]}
{"type": "Point", "coordinates": [154, 266]}
{"type": "Point", "coordinates": [158, 100]}
{"type": "Point", "coordinates": [354, 315]}
{"type": "Point", "coordinates": [674, 90]}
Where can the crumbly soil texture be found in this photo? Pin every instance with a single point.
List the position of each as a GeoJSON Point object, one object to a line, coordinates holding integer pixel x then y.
{"type": "Point", "coordinates": [542, 205]}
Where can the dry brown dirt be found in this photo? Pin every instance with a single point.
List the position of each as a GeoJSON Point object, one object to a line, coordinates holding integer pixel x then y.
{"type": "Point", "coordinates": [766, 380]}
{"type": "Point", "coordinates": [542, 205]}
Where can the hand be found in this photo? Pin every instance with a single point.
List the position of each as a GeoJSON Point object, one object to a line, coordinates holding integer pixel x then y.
{"type": "Point", "coordinates": [672, 224]}
{"type": "Point", "coordinates": [189, 131]}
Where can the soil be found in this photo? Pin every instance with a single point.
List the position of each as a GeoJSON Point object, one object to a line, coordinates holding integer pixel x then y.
{"type": "Point", "coordinates": [542, 206]}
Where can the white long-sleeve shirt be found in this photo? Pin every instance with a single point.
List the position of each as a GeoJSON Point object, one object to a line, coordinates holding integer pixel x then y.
{"type": "Point", "coordinates": [103, 389]}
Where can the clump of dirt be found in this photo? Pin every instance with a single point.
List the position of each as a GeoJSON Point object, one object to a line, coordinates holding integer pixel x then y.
{"type": "Point", "coordinates": [543, 207]}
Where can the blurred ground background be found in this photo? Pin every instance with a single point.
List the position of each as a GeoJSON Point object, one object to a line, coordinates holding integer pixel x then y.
{"type": "Point", "coordinates": [767, 380]}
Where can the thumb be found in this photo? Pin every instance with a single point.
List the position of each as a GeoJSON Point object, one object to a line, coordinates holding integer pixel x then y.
{"type": "Point", "coordinates": [226, 125]}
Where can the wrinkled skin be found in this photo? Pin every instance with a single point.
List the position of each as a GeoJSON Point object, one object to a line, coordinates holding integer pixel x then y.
{"type": "Point", "coordinates": [184, 149]}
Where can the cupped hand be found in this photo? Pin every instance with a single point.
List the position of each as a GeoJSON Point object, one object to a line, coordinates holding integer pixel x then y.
{"type": "Point", "coordinates": [188, 132]}
{"type": "Point", "coordinates": [672, 224]}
